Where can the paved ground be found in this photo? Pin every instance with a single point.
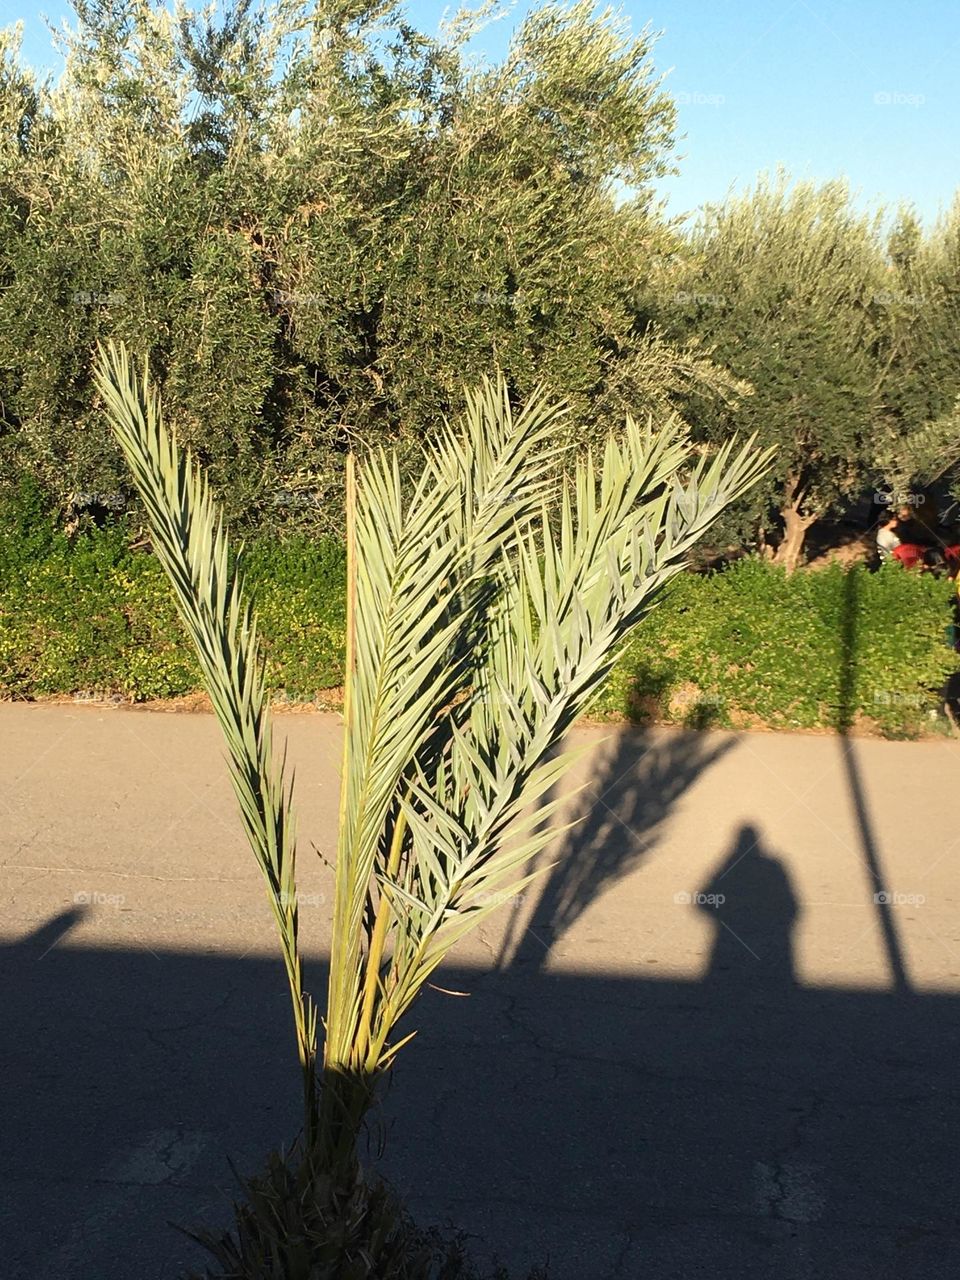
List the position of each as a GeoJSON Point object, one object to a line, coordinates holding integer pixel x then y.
{"type": "Point", "coordinates": [719, 1040]}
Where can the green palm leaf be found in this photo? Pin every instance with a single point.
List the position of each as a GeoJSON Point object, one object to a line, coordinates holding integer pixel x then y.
{"type": "Point", "coordinates": [189, 540]}
{"type": "Point", "coordinates": [484, 612]}
{"type": "Point", "coordinates": [484, 632]}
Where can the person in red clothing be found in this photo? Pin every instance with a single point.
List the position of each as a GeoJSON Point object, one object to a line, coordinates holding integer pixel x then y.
{"type": "Point", "coordinates": [909, 554]}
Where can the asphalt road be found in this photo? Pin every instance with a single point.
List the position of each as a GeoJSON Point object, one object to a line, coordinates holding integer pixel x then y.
{"type": "Point", "coordinates": [718, 1039]}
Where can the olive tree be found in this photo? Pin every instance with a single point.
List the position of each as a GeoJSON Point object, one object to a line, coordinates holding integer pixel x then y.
{"type": "Point", "coordinates": [321, 221]}
{"type": "Point", "coordinates": [780, 284]}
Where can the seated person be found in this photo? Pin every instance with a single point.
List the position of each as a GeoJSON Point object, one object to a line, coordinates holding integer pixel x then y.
{"type": "Point", "coordinates": [910, 555]}
{"type": "Point", "coordinates": [888, 539]}
{"type": "Point", "coordinates": [935, 562]}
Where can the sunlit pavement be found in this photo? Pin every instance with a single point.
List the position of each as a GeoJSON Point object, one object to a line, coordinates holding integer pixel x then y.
{"type": "Point", "coordinates": [717, 1039]}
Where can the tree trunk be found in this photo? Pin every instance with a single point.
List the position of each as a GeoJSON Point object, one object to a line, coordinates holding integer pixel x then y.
{"type": "Point", "coordinates": [795, 525]}
{"type": "Point", "coordinates": [764, 548]}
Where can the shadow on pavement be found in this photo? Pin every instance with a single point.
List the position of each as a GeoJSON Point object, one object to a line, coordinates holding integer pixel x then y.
{"type": "Point", "coordinates": [639, 779]}
{"type": "Point", "coordinates": [750, 897]}
{"type": "Point", "coordinates": [847, 682]}
{"type": "Point", "coordinates": [738, 1127]}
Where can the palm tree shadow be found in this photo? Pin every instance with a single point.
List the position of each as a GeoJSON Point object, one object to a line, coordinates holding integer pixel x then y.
{"type": "Point", "coordinates": [639, 779]}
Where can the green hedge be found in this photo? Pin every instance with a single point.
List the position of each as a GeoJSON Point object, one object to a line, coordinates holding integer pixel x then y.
{"type": "Point", "coordinates": [826, 648]}
{"type": "Point", "coordinates": [92, 618]}
{"type": "Point", "coordinates": [745, 647]}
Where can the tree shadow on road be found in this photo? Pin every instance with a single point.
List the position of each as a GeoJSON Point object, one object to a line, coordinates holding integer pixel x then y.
{"type": "Point", "coordinates": [639, 778]}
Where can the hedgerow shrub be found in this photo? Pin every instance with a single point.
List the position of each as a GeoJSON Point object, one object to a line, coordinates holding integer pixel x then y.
{"type": "Point", "coordinates": [93, 618]}
{"type": "Point", "coordinates": [822, 649]}
{"type": "Point", "coordinates": [745, 647]}
{"type": "Point", "coordinates": [299, 588]}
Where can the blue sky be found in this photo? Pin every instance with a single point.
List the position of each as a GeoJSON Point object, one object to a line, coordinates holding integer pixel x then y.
{"type": "Point", "coordinates": [864, 88]}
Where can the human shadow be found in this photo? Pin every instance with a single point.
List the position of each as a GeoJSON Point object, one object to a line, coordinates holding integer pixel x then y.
{"type": "Point", "coordinates": [750, 902]}
{"type": "Point", "coordinates": [638, 779]}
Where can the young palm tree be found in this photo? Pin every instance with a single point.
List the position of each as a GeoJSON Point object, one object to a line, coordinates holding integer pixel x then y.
{"type": "Point", "coordinates": [485, 609]}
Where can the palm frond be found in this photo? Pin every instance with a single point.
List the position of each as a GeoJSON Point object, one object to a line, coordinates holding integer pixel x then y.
{"type": "Point", "coordinates": [191, 543]}
{"type": "Point", "coordinates": [484, 611]}
{"type": "Point", "coordinates": [451, 781]}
